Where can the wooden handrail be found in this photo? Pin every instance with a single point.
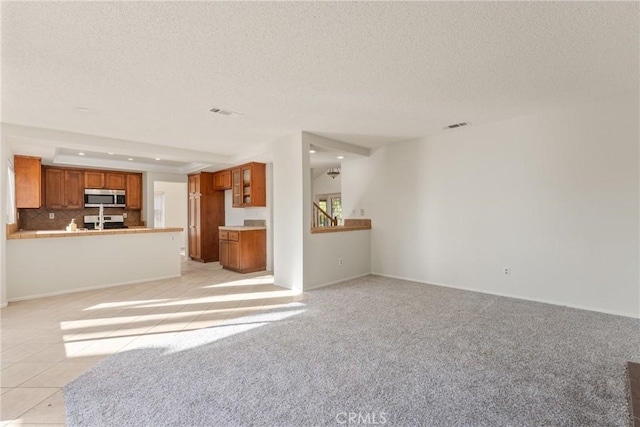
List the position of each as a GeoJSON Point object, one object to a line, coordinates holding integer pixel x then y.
{"type": "Point", "coordinates": [319, 213]}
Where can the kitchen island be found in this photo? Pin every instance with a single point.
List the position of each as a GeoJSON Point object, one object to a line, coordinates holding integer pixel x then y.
{"type": "Point", "coordinates": [52, 262]}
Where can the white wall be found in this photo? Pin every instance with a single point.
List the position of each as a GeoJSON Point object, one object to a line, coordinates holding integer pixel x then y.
{"type": "Point", "coordinates": [68, 264]}
{"type": "Point", "coordinates": [553, 196]}
{"type": "Point", "coordinates": [176, 209]}
{"type": "Point", "coordinates": [148, 185]}
{"type": "Point", "coordinates": [324, 184]}
{"type": "Point", "coordinates": [324, 251]}
{"type": "Point", "coordinates": [291, 183]}
{"type": "Point", "coordinates": [6, 158]}
{"type": "Point", "coordinates": [236, 216]}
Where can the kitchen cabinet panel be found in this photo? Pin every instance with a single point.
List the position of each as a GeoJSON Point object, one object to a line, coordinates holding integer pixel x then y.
{"type": "Point", "coordinates": [54, 188]}
{"type": "Point", "coordinates": [64, 188]}
{"type": "Point", "coordinates": [116, 181]}
{"type": "Point", "coordinates": [224, 251]}
{"type": "Point", "coordinates": [195, 245]}
{"type": "Point", "coordinates": [234, 256]}
{"type": "Point", "coordinates": [222, 180]}
{"type": "Point", "coordinates": [206, 214]}
{"type": "Point", "coordinates": [105, 179]}
{"type": "Point", "coordinates": [249, 186]}
{"type": "Point", "coordinates": [28, 173]}
{"type": "Point", "coordinates": [243, 251]}
{"type": "Point", "coordinates": [74, 189]}
{"type": "Point", "coordinates": [236, 188]}
{"type": "Point", "coordinates": [134, 191]}
{"type": "Point", "coordinates": [93, 179]}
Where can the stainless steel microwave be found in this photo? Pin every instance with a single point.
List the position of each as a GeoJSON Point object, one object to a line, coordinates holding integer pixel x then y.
{"type": "Point", "coordinates": [94, 197]}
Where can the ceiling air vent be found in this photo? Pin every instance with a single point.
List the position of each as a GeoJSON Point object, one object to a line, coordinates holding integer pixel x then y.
{"type": "Point", "coordinates": [225, 112]}
{"type": "Point", "coordinates": [456, 125]}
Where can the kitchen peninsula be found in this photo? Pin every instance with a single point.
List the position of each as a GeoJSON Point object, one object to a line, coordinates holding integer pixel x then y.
{"type": "Point", "coordinates": [51, 262]}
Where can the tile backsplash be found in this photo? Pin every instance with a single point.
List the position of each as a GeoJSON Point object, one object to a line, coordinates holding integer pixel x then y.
{"type": "Point", "coordinates": [38, 219]}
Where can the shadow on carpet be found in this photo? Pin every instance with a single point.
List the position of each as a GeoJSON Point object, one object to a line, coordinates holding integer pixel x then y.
{"type": "Point", "coordinates": [374, 351]}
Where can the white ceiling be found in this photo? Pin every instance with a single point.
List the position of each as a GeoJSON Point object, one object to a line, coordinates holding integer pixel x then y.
{"type": "Point", "coordinates": [367, 73]}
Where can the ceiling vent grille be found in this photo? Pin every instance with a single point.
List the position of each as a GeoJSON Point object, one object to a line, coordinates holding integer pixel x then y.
{"type": "Point", "coordinates": [456, 125]}
{"type": "Point", "coordinates": [222, 112]}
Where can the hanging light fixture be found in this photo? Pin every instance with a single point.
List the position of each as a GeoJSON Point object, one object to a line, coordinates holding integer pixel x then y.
{"type": "Point", "coordinates": [333, 172]}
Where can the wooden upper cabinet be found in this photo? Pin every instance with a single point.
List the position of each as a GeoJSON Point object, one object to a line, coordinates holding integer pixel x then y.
{"type": "Point", "coordinates": [115, 181]}
{"type": "Point", "coordinates": [74, 189]}
{"type": "Point", "coordinates": [93, 179]}
{"type": "Point", "coordinates": [222, 180]}
{"type": "Point", "coordinates": [134, 190]}
{"type": "Point", "coordinates": [28, 172]}
{"type": "Point", "coordinates": [104, 179]}
{"type": "Point", "coordinates": [64, 188]}
{"type": "Point", "coordinates": [194, 184]}
{"type": "Point", "coordinates": [236, 188]}
{"type": "Point", "coordinates": [249, 185]}
{"type": "Point", "coordinates": [54, 188]}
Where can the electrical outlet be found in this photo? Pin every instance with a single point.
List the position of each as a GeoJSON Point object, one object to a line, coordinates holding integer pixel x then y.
{"type": "Point", "coordinates": [52, 215]}
{"type": "Point", "coordinates": [506, 271]}
{"type": "Point", "coordinates": [340, 261]}
{"type": "Point", "coordinates": [124, 215]}
{"type": "Point", "coordinates": [361, 212]}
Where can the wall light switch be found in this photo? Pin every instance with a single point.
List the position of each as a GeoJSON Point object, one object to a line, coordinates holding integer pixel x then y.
{"type": "Point", "coordinates": [52, 215]}
{"type": "Point", "coordinates": [361, 212]}
{"type": "Point", "coordinates": [124, 215]}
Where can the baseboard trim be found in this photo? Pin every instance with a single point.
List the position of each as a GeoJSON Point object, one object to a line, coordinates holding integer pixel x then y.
{"type": "Point", "coordinates": [322, 285]}
{"type": "Point", "coordinates": [90, 288]}
{"type": "Point", "coordinates": [501, 294]}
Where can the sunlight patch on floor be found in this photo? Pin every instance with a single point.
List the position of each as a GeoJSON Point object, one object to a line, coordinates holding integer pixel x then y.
{"type": "Point", "coordinates": [262, 280]}
{"type": "Point", "coordinates": [123, 304]}
{"type": "Point", "coordinates": [102, 336]}
{"type": "Point", "coordinates": [73, 332]}
{"type": "Point", "coordinates": [238, 326]}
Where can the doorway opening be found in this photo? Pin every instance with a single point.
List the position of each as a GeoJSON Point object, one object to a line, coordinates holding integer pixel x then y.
{"type": "Point", "coordinates": [170, 208]}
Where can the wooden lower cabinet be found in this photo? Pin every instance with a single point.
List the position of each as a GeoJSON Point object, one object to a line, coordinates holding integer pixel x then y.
{"type": "Point", "coordinates": [244, 251]}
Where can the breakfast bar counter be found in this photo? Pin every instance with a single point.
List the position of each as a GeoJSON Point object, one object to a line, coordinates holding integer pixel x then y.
{"type": "Point", "coordinates": [38, 234]}
{"type": "Point", "coordinates": [52, 262]}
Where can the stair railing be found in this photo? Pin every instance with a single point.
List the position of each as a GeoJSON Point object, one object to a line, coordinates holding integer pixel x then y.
{"type": "Point", "coordinates": [321, 218]}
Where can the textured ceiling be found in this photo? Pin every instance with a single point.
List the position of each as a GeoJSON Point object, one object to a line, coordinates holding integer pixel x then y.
{"type": "Point", "coordinates": [368, 73]}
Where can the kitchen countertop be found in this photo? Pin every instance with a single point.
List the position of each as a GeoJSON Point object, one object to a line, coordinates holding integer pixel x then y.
{"type": "Point", "coordinates": [349, 225]}
{"type": "Point", "coordinates": [38, 234]}
{"type": "Point", "coordinates": [241, 227]}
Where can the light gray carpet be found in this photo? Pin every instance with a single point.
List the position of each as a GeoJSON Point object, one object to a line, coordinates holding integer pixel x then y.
{"type": "Point", "coordinates": [382, 350]}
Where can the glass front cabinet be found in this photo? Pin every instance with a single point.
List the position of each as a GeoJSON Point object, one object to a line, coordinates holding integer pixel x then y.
{"type": "Point", "coordinates": [249, 185]}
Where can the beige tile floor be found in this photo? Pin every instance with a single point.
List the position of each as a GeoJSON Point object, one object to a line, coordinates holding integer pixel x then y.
{"type": "Point", "coordinates": [48, 342]}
